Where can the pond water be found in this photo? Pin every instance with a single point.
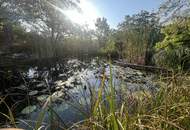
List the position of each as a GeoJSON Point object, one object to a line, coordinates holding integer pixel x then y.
{"type": "Point", "coordinates": [70, 86]}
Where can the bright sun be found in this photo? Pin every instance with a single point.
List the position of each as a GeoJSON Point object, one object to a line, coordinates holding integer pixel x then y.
{"type": "Point", "coordinates": [88, 14]}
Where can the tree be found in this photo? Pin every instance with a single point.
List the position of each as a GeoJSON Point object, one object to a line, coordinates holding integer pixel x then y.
{"type": "Point", "coordinates": [6, 25]}
{"type": "Point", "coordinates": [140, 33]}
{"type": "Point", "coordinates": [174, 50]}
{"type": "Point", "coordinates": [102, 31]}
{"type": "Point", "coordinates": [172, 9]}
{"type": "Point", "coordinates": [44, 17]}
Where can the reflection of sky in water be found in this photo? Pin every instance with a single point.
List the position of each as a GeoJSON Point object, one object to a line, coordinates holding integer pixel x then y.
{"type": "Point", "coordinates": [91, 80]}
{"type": "Point", "coordinates": [32, 72]}
{"type": "Point", "coordinates": [80, 94]}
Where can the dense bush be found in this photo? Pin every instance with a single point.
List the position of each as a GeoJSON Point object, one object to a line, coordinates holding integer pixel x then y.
{"type": "Point", "coordinates": [174, 50]}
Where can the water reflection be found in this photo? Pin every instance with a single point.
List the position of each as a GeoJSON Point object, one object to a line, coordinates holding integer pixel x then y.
{"type": "Point", "coordinates": [72, 90]}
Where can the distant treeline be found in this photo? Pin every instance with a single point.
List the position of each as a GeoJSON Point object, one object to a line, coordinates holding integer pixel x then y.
{"type": "Point", "coordinates": [38, 30]}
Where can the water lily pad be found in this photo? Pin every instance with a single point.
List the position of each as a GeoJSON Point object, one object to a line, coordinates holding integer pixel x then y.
{"type": "Point", "coordinates": [42, 98]}
{"type": "Point", "coordinates": [29, 109]}
{"type": "Point", "coordinates": [139, 73]}
{"type": "Point", "coordinates": [57, 95]}
{"type": "Point", "coordinates": [21, 87]}
{"type": "Point", "coordinates": [32, 93]}
{"type": "Point", "coordinates": [42, 84]}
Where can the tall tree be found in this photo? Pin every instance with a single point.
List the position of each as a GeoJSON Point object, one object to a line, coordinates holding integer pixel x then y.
{"type": "Point", "coordinates": [140, 34]}
{"type": "Point", "coordinates": [45, 17]}
{"type": "Point", "coordinates": [102, 31]}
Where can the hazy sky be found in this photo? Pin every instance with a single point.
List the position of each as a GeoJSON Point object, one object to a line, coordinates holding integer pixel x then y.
{"type": "Point", "coordinates": [115, 10]}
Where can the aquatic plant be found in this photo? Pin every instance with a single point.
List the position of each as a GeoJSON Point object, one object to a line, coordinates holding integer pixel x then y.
{"type": "Point", "coordinates": [168, 108]}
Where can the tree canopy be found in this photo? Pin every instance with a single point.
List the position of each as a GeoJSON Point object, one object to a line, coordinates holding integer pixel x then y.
{"type": "Point", "coordinates": [174, 50]}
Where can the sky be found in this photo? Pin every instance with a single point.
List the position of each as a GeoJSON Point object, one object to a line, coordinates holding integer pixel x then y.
{"type": "Point", "coordinates": [115, 10]}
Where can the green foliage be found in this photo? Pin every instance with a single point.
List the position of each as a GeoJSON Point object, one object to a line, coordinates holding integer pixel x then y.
{"type": "Point", "coordinates": [139, 33]}
{"type": "Point", "coordinates": [172, 9]}
{"type": "Point", "coordinates": [102, 31]}
{"type": "Point", "coordinates": [168, 108]}
{"type": "Point", "coordinates": [48, 33]}
{"type": "Point", "coordinates": [175, 48]}
{"type": "Point", "coordinates": [110, 47]}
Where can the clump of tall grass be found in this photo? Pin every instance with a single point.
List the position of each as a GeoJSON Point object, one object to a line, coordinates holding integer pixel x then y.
{"type": "Point", "coordinates": [168, 108]}
{"type": "Point", "coordinates": [10, 115]}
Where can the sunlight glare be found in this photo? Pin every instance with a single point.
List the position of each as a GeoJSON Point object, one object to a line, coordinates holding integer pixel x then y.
{"type": "Point", "coordinates": [87, 16]}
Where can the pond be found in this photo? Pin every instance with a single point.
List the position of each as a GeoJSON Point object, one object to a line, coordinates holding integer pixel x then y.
{"type": "Point", "coordinates": [70, 85]}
